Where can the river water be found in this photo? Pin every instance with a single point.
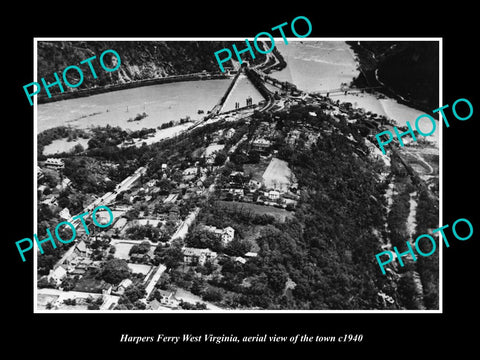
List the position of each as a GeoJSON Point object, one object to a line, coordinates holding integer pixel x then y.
{"type": "Point", "coordinates": [325, 65]}
{"type": "Point", "coordinates": [312, 66]}
{"type": "Point", "coordinates": [162, 103]}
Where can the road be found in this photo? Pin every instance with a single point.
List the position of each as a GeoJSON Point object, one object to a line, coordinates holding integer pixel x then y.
{"type": "Point", "coordinates": [109, 197]}
{"type": "Point", "coordinates": [151, 284]}
{"type": "Point", "coordinates": [182, 230]}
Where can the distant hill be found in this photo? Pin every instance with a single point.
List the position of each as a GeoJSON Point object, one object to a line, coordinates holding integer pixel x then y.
{"type": "Point", "coordinates": [409, 70]}
{"type": "Point", "coordinates": [141, 60]}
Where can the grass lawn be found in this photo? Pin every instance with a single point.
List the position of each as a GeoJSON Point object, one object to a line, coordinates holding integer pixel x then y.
{"type": "Point", "coordinates": [256, 170]}
{"type": "Point", "coordinates": [122, 250]}
{"type": "Point", "coordinates": [88, 284]}
{"type": "Point", "coordinates": [139, 268]}
{"type": "Point", "coordinates": [279, 214]}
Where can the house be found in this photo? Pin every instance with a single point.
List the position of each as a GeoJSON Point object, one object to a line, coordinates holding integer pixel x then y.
{"type": "Point", "coordinates": [81, 249]}
{"type": "Point", "coordinates": [79, 271]}
{"type": "Point", "coordinates": [189, 173]}
{"type": "Point", "coordinates": [57, 275]}
{"type": "Point", "coordinates": [193, 256]}
{"type": "Point", "coordinates": [154, 305]}
{"type": "Point", "coordinates": [65, 214]}
{"type": "Point", "coordinates": [166, 297]}
{"type": "Point", "coordinates": [228, 234]}
{"type": "Point", "coordinates": [240, 260]}
{"type": "Point", "coordinates": [124, 284]}
{"type": "Point", "coordinates": [251, 254]}
{"type": "Point", "coordinates": [261, 144]}
{"type": "Point", "coordinates": [66, 182]}
{"type": "Point", "coordinates": [273, 195]}
{"type": "Point", "coordinates": [40, 174]}
{"type": "Point", "coordinates": [213, 229]}
{"type": "Point", "coordinates": [229, 133]}
{"type": "Point", "coordinates": [238, 192]}
{"type": "Point", "coordinates": [55, 164]}
{"type": "Point", "coordinates": [50, 200]}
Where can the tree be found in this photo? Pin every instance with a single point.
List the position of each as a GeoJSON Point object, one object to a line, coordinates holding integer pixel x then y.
{"type": "Point", "coordinates": [43, 282]}
{"type": "Point", "coordinates": [171, 256]}
{"type": "Point", "coordinates": [407, 291]}
{"type": "Point", "coordinates": [134, 293]}
{"type": "Point", "coordinates": [70, 302]}
{"type": "Point", "coordinates": [237, 247]}
{"type": "Point", "coordinates": [68, 284]}
{"type": "Point", "coordinates": [78, 148]}
{"type": "Point", "coordinates": [114, 271]}
{"type": "Point", "coordinates": [142, 248]}
{"type": "Point", "coordinates": [220, 158]}
{"type": "Point", "coordinates": [212, 294]}
{"type": "Point", "coordinates": [201, 238]}
{"type": "Point", "coordinates": [198, 285]}
{"type": "Point", "coordinates": [254, 157]}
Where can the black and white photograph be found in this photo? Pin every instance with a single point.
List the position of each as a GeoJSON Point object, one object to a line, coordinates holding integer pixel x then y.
{"type": "Point", "coordinates": [219, 181]}
{"type": "Point", "coordinates": [259, 188]}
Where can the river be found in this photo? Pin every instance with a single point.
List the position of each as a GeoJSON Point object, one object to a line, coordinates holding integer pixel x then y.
{"type": "Point", "coordinates": [315, 65]}
{"type": "Point", "coordinates": [312, 66]}
{"type": "Point", "coordinates": [162, 103]}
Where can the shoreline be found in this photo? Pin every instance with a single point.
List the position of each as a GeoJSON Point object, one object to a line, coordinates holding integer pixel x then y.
{"type": "Point", "coordinates": [43, 99]}
{"type": "Point", "coordinates": [368, 66]}
{"type": "Point", "coordinates": [130, 85]}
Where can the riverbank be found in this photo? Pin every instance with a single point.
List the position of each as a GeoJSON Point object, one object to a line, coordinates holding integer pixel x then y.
{"type": "Point", "coordinates": [406, 71]}
{"type": "Point", "coordinates": [43, 99]}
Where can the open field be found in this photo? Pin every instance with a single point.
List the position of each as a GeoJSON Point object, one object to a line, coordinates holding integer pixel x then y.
{"type": "Point", "coordinates": [277, 175]}
{"type": "Point", "coordinates": [122, 250]}
{"type": "Point", "coordinates": [279, 214]}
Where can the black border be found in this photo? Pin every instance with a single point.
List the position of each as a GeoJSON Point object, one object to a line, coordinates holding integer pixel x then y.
{"type": "Point", "coordinates": [384, 334]}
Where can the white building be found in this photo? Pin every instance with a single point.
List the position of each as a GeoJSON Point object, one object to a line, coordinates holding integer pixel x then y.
{"type": "Point", "coordinates": [57, 275]}
{"type": "Point", "coordinates": [193, 256]}
{"type": "Point", "coordinates": [229, 133]}
{"type": "Point", "coordinates": [261, 144]}
{"type": "Point", "coordinates": [240, 260]}
{"type": "Point", "coordinates": [65, 214]}
{"type": "Point", "coordinates": [228, 234]}
{"type": "Point", "coordinates": [273, 195]}
{"type": "Point", "coordinates": [189, 173]}
{"type": "Point", "coordinates": [54, 164]}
